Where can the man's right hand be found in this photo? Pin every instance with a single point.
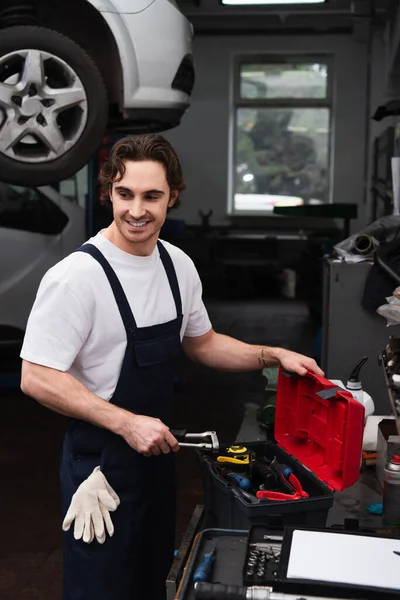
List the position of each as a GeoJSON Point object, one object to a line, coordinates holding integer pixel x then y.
{"type": "Point", "coordinates": [148, 436]}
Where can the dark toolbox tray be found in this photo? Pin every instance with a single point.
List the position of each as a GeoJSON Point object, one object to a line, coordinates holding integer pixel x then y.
{"type": "Point", "coordinates": [231, 550]}
{"type": "Point", "coordinates": [275, 575]}
{"type": "Point", "coordinates": [318, 432]}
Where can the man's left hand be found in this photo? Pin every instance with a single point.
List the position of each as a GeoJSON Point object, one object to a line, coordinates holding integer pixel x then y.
{"type": "Point", "coordinates": [297, 363]}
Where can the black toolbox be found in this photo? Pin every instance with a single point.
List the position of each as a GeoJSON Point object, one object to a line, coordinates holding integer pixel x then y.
{"type": "Point", "coordinates": [318, 433]}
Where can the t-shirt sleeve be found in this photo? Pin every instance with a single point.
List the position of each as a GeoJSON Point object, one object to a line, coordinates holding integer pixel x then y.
{"type": "Point", "coordinates": [198, 322]}
{"type": "Point", "coordinates": [57, 328]}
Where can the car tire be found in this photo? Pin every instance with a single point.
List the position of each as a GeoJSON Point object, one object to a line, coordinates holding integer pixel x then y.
{"type": "Point", "coordinates": [70, 140]}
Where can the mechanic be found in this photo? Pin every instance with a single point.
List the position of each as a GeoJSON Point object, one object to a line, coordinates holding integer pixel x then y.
{"type": "Point", "coordinates": [101, 344]}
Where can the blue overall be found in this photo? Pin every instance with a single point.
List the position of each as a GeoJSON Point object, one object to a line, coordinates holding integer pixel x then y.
{"type": "Point", "coordinates": [134, 563]}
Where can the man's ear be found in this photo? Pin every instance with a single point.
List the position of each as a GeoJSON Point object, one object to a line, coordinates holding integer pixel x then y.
{"type": "Point", "coordinates": [173, 198]}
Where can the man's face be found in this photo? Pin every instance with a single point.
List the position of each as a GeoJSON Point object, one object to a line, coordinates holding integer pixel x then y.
{"type": "Point", "coordinates": [140, 202]}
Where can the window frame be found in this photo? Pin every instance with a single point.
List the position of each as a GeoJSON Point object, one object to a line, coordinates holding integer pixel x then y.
{"type": "Point", "coordinates": [238, 102]}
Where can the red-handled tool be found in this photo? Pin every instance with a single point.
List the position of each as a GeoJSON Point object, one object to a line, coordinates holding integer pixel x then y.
{"type": "Point", "coordinates": [297, 485]}
{"type": "Point", "coordinates": [297, 494]}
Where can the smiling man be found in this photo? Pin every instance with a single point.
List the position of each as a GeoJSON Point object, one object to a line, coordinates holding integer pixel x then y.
{"type": "Point", "coordinates": [140, 209]}
{"type": "Point", "coordinates": [107, 326]}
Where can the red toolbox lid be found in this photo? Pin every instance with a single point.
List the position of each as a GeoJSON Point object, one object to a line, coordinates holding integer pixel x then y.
{"type": "Point", "coordinates": [324, 433]}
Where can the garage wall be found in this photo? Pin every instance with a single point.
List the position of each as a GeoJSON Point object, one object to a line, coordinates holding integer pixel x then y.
{"type": "Point", "coordinates": [202, 139]}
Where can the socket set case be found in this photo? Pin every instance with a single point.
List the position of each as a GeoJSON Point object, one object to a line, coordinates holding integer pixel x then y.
{"type": "Point", "coordinates": [325, 588]}
{"type": "Point", "coordinates": [263, 552]}
{"type": "Point", "coordinates": [318, 433]}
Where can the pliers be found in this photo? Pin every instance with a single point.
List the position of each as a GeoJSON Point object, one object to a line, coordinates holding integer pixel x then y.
{"type": "Point", "coordinates": [211, 444]}
{"type": "Point", "coordinates": [292, 482]}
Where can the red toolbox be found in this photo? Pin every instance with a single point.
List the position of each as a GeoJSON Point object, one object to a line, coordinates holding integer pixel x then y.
{"type": "Point", "coordinates": [318, 435]}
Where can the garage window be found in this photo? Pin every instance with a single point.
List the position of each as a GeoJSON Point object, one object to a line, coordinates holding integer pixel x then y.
{"type": "Point", "coordinates": [282, 132]}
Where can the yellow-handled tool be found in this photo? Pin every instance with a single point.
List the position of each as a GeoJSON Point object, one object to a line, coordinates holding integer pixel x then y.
{"type": "Point", "coordinates": [237, 455]}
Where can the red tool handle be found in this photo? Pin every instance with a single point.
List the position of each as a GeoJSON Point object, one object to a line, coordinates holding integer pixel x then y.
{"type": "Point", "coordinates": [297, 486]}
{"type": "Point", "coordinates": [297, 495]}
{"type": "Point", "coordinates": [270, 495]}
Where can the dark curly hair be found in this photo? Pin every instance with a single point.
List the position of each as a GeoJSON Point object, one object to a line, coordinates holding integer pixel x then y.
{"type": "Point", "coordinates": [138, 148]}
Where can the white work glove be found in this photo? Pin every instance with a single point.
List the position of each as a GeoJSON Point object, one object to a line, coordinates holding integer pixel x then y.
{"type": "Point", "coordinates": [90, 508]}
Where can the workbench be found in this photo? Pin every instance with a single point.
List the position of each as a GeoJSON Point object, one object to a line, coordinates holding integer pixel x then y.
{"type": "Point", "coordinates": [349, 506]}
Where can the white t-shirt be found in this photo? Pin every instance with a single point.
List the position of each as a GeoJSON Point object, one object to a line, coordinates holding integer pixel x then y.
{"type": "Point", "coordinates": [75, 324]}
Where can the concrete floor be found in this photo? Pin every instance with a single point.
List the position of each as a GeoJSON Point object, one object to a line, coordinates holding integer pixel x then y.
{"type": "Point", "coordinates": [31, 437]}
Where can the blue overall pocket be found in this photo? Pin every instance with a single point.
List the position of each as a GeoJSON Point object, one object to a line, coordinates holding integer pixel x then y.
{"type": "Point", "coordinates": [152, 352]}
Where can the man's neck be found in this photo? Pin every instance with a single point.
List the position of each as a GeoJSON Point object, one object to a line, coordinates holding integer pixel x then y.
{"type": "Point", "coordinates": [136, 248]}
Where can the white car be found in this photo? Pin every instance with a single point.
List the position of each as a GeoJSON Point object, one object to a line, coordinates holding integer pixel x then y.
{"type": "Point", "coordinates": [72, 70]}
{"type": "Point", "coordinates": [38, 227]}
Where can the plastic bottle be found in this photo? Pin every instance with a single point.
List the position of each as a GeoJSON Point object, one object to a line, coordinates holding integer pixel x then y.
{"type": "Point", "coordinates": [354, 386]}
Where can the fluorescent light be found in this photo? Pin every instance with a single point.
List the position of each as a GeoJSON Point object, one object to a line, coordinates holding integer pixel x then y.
{"type": "Point", "coordinates": [266, 2]}
{"type": "Point", "coordinates": [248, 177]}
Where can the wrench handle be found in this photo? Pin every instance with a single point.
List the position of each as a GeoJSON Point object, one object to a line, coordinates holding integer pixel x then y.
{"type": "Point", "coordinates": [179, 434]}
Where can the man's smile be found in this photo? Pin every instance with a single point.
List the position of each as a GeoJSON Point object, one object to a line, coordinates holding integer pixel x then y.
{"type": "Point", "coordinates": [137, 224]}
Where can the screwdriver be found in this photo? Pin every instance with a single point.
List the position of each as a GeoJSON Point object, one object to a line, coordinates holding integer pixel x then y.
{"type": "Point", "coordinates": [203, 571]}
{"type": "Point", "coordinates": [243, 482]}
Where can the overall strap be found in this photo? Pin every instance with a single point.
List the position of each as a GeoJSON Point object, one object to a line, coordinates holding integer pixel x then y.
{"type": "Point", "coordinates": [171, 274]}
{"type": "Point", "coordinates": [119, 294]}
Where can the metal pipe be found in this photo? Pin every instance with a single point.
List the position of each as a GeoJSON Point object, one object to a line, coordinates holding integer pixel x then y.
{"type": "Point", "coordinates": [363, 244]}
{"type": "Point", "coordinates": [218, 591]}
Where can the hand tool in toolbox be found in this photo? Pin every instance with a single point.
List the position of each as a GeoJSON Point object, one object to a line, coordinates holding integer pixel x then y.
{"type": "Point", "coordinates": [218, 591]}
{"type": "Point", "coordinates": [279, 481]}
{"type": "Point", "coordinates": [296, 491]}
{"type": "Point", "coordinates": [238, 478]}
{"type": "Point", "coordinates": [266, 475]}
{"type": "Point", "coordinates": [288, 479]}
{"type": "Point", "coordinates": [212, 442]}
{"type": "Point", "coordinates": [237, 455]}
{"type": "Point", "coordinates": [243, 482]}
{"type": "Point", "coordinates": [285, 485]}
{"type": "Point", "coordinates": [204, 570]}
